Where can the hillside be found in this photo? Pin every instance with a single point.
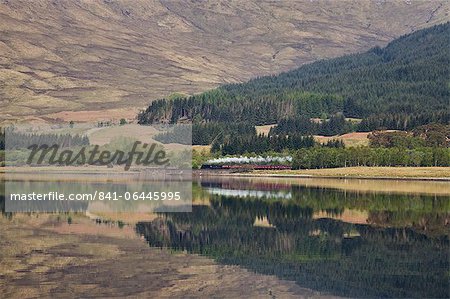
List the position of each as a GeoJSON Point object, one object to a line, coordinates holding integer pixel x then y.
{"type": "Point", "coordinates": [401, 86]}
{"type": "Point", "coordinates": [97, 55]}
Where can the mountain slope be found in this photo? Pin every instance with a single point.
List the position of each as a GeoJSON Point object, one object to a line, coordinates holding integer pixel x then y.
{"type": "Point", "coordinates": [402, 85]}
{"type": "Point", "coordinates": [78, 55]}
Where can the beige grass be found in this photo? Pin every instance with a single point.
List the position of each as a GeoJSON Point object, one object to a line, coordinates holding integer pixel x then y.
{"type": "Point", "coordinates": [264, 129]}
{"type": "Point", "coordinates": [105, 135]}
{"type": "Point", "coordinates": [113, 115]}
{"type": "Point", "coordinates": [202, 148]}
{"type": "Point", "coordinates": [369, 172]}
{"type": "Point", "coordinates": [350, 139]}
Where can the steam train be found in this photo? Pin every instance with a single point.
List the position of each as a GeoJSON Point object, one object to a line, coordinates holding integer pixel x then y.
{"type": "Point", "coordinates": [245, 167]}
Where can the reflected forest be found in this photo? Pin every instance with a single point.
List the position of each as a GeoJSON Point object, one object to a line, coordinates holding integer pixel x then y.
{"type": "Point", "coordinates": [300, 234]}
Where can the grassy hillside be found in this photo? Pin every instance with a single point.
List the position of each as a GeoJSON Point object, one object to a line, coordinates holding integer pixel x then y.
{"type": "Point", "coordinates": [401, 86]}
{"type": "Point", "coordinates": [94, 55]}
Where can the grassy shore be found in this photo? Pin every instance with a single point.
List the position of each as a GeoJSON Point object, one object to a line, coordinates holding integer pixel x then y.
{"type": "Point", "coordinates": [425, 173]}
{"type": "Point", "coordinates": [417, 173]}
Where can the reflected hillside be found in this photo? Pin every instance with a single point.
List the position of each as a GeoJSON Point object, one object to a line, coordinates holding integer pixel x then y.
{"type": "Point", "coordinates": [401, 250]}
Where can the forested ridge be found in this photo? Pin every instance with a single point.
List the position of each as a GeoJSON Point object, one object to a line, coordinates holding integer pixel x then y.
{"type": "Point", "coordinates": [401, 86]}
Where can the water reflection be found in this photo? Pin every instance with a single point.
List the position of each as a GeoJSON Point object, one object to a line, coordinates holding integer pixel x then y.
{"type": "Point", "coordinates": [96, 192]}
{"type": "Point", "coordinates": [345, 243]}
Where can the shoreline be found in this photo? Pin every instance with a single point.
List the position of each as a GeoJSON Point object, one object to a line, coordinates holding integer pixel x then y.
{"type": "Point", "coordinates": [441, 174]}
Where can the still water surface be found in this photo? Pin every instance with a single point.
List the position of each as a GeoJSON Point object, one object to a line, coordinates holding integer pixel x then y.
{"type": "Point", "coordinates": [343, 242]}
{"type": "Point", "coordinates": [357, 238]}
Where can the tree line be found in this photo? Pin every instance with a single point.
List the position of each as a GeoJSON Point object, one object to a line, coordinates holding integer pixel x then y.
{"type": "Point", "coordinates": [205, 133]}
{"type": "Point", "coordinates": [432, 135]}
{"type": "Point", "coordinates": [402, 121]}
{"type": "Point", "coordinates": [2, 147]}
{"type": "Point", "coordinates": [401, 86]}
{"type": "Point", "coordinates": [2, 139]}
{"type": "Point", "coordinates": [261, 144]}
{"type": "Point", "coordinates": [426, 145]}
{"type": "Point", "coordinates": [327, 157]}
{"type": "Point", "coordinates": [217, 132]}
{"type": "Point", "coordinates": [221, 106]}
{"type": "Point", "coordinates": [22, 140]}
{"type": "Point", "coordinates": [335, 125]}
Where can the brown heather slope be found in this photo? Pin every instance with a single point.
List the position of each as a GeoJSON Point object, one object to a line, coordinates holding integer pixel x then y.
{"type": "Point", "coordinates": [96, 55]}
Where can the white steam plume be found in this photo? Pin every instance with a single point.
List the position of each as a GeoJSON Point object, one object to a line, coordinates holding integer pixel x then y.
{"type": "Point", "coordinates": [249, 160]}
